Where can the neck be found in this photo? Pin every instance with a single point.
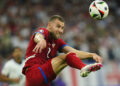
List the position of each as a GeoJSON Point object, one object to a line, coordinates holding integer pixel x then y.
{"type": "Point", "coordinates": [19, 62]}
{"type": "Point", "coordinates": [52, 36]}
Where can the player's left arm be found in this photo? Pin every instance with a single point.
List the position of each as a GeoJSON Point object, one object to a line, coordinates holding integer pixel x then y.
{"type": "Point", "coordinates": [40, 43]}
{"type": "Point", "coordinates": [83, 54]}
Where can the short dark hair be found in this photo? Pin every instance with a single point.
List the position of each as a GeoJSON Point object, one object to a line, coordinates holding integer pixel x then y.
{"type": "Point", "coordinates": [56, 17]}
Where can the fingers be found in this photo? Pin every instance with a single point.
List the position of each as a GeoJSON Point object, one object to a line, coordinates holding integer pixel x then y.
{"type": "Point", "coordinates": [100, 60]}
{"type": "Point", "coordinates": [36, 49]}
{"type": "Point", "coordinates": [39, 47]}
{"type": "Point", "coordinates": [18, 80]}
{"type": "Point", "coordinates": [97, 58]}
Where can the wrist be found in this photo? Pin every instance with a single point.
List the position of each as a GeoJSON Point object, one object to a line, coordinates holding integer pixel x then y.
{"type": "Point", "coordinates": [15, 80]}
{"type": "Point", "coordinates": [12, 80]}
{"type": "Point", "coordinates": [90, 55]}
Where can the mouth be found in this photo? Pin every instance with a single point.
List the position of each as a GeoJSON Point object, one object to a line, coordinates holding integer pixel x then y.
{"type": "Point", "coordinates": [55, 35]}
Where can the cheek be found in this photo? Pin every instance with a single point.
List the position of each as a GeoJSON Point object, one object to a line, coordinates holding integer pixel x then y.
{"type": "Point", "coordinates": [18, 54]}
{"type": "Point", "coordinates": [14, 55]}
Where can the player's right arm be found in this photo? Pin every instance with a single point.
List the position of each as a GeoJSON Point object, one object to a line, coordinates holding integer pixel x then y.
{"type": "Point", "coordinates": [4, 78]}
{"type": "Point", "coordinates": [83, 54]}
{"type": "Point", "coordinates": [41, 43]}
{"type": "Point", "coordinates": [5, 73]}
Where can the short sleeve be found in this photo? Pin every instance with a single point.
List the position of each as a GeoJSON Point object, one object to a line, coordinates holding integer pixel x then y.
{"type": "Point", "coordinates": [6, 69]}
{"type": "Point", "coordinates": [62, 44]}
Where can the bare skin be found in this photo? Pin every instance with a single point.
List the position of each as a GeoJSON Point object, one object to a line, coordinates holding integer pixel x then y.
{"type": "Point", "coordinates": [9, 80]}
{"type": "Point", "coordinates": [56, 27]}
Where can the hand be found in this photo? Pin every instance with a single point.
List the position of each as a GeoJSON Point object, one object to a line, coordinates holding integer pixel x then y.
{"type": "Point", "coordinates": [15, 80]}
{"type": "Point", "coordinates": [40, 46]}
{"type": "Point", "coordinates": [97, 58]}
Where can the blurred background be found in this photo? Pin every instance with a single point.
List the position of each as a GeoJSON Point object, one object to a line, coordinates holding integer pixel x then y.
{"type": "Point", "coordinates": [19, 18]}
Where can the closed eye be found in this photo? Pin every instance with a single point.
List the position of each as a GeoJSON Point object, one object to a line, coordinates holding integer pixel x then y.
{"type": "Point", "coordinates": [60, 27]}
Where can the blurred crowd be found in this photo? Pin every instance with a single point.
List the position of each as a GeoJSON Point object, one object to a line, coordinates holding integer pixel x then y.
{"type": "Point", "coordinates": [19, 18]}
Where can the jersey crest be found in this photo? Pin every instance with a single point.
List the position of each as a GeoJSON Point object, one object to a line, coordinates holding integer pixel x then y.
{"type": "Point", "coordinates": [53, 45]}
{"type": "Point", "coordinates": [41, 31]}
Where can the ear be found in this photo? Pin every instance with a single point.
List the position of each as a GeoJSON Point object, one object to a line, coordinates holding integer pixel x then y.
{"type": "Point", "coordinates": [49, 24]}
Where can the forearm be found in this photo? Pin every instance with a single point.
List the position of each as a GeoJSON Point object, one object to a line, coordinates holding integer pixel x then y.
{"type": "Point", "coordinates": [86, 55]}
{"type": "Point", "coordinates": [80, 54]}
{"type": "Point", "coordinates": [6, 79]}
{"type": "Point", "coordinates": [83, 55]}
{"type": "Point", "coordinates": [40, 43]}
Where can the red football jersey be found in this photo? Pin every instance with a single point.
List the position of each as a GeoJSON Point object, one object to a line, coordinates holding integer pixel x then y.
{"type": "Point", "coordinates": [49, 52]}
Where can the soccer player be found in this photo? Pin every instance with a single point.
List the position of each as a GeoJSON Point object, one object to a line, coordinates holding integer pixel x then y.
{"type": "Point", "coordinates": [42, 65]}
{"type": "Point", "coordinates": [11, 72]}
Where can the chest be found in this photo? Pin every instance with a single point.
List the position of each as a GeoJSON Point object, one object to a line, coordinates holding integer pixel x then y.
{"type": "Point", "coordinates": [15, 71]}
{"type": "Point", "coordinates": [52, 49]}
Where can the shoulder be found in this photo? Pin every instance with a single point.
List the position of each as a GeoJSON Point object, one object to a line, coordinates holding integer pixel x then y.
{"type": "Point", "coordinates": [42, 30]}
{"type": "Point", "coordinates": [59, 40]}
{"type": "Point", "coordinates": [8, 64]}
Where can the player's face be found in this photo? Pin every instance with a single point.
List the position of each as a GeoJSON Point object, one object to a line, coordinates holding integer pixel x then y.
{"type": "Point", "coordinates": [17, 55]}
{"type": "Point", "coordinates": [56, 28]}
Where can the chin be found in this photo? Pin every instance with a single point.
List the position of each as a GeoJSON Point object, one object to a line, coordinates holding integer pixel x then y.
{"type": "Point", "coordinates": [55, 38]}
{"type": "Point", "coordinates": [58, 37]}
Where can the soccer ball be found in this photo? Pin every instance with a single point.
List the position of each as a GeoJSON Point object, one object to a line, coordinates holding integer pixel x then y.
{"type": "Point", "coordinates": [98, 9]}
